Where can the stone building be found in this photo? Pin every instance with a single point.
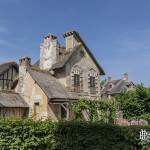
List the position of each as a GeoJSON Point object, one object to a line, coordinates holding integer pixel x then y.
{"type": "Point", "coordinates": [111, 88]}
{"type": "Point", "coordinates": [62, 75]}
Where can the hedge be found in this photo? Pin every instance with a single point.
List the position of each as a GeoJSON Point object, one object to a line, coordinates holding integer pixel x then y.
{"type": "Point", "coordinates": [46, 135]}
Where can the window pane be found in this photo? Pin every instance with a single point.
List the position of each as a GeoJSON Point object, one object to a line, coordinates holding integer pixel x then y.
{"type": "Point", "coordinates": [76, 82]}
{"type": "Point", "coordinates": [92, 85]}
{"type": "Point", "coordinates": [92, 81]}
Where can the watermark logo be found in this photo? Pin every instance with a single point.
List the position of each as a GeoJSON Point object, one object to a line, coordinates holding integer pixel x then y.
{"type": "Point", "coordinates": [144, 135]}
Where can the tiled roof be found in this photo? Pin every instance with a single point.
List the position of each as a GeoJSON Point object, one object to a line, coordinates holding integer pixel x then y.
{"type": "Point", "coordinates": [62, 62]}
{"type": "Point", "coordinates": [54, 90]}
{"type": "Point", "coordinates": [11, 99]}
{"type": "Point", "coordinates": [117, 86]}
{"type": "Point", "coordinates": [108, 83]}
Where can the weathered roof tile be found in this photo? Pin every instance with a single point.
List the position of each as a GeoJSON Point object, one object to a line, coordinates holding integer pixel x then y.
{"type": "Point", "coordinates": [49, 84]}
{"type": "Point", "coordinates": [11, 99]}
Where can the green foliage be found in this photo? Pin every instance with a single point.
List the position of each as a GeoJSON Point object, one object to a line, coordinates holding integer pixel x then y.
{"type": "Point", "coordinates": [136, 104]}
{"type": "Point", "coordinates": [25, 135]}
{"type": "Point", "coordinates": [46, 135]}
{"type": "Point", "coordinates": [99, 110]}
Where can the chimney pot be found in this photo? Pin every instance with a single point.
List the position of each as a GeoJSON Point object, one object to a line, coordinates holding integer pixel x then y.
{"type": "Point", "coordinates": [25, 61]}
{"type": "Point", "coordinates": [125, 76]}
{"type": "Point", "coordinates": [71, 39]}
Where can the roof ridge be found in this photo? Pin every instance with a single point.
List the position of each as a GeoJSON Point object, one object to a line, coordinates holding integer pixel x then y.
{"type": "Point", "coordinates": [9, 62]}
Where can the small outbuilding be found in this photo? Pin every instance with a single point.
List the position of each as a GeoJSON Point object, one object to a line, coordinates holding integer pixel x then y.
{"type": "Point", "coordinates": [12, 105]}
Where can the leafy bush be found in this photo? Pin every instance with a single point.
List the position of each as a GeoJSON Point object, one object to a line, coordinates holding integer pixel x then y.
{"type": "Point", "coordinates": [46, 135]}
{"type": "Point", "coordinates": [136, 104]}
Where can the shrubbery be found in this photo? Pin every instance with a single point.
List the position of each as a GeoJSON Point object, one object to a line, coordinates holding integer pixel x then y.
{"type": "Point", "coordinates": [30, 135]}
{"type": "Point", "coordinates": [136, 104]}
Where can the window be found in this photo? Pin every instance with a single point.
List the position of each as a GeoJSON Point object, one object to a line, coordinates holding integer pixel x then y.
{"type": "Point", "coordinates": [76, 82]}
{"type": "Point", "coordinates": [93, 79]}
{"type": "Point", "coordinates": [76, 75]}
{"type": "Point", "coordinates": [63, 113]}
{"type": "Point", "coordinates": [36, 110]}
{"type": "Point", "coordinates": [92, 85]}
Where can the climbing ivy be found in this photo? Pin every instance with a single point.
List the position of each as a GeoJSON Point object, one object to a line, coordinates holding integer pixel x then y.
{"type": "Point", "coordinates": [99, 110]}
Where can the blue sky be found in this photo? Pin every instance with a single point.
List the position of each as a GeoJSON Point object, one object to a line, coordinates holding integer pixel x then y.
{"type": "Point", "coordinates": [117, 32]}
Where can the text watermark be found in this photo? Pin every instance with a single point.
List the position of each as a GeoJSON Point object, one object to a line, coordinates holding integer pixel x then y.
{"type": "Point", "coordinates": [144, 135]}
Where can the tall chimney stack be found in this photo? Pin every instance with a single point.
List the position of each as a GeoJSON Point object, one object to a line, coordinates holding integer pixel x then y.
{"type": "Point", "coordinates": [48, 52]}
{"type": "Point", "coordinates": [24, 64]}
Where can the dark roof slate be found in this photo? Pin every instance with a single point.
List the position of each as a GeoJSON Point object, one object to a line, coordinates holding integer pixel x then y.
{"type": "Point", "coordinates": [11, 99]}
{"type": "Point", "coordinates": [50, 86]}
{"type": "Point", "coordinates": [118, 86]}
{"type": "Point", "coordinates": [107, 85]}
{"type": "Point", "coordinates": [62, 62]}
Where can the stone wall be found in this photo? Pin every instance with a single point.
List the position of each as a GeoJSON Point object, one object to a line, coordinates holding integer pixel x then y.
{"type": "Point", "coordinates": [125, 122]}
{"type": "Point", "coordinates": [82, 60]}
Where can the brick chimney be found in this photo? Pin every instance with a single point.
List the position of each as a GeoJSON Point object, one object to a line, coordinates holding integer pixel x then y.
{"type": "Point", "coordinates": [24, 64]}
{"type": "Point", "coordinates": [125, 77]}
{"type": "Point", "coordinates": [48, 52]}
{"type": "Point", "coordinates": [71, 39]}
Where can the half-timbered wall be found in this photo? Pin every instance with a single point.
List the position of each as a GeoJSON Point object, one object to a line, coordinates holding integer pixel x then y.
{"type": "Point", "coordinates": [7, 78]}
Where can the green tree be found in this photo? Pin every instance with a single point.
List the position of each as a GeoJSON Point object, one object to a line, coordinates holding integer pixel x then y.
{"type": "Point", "coordinates": [135, 104]}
